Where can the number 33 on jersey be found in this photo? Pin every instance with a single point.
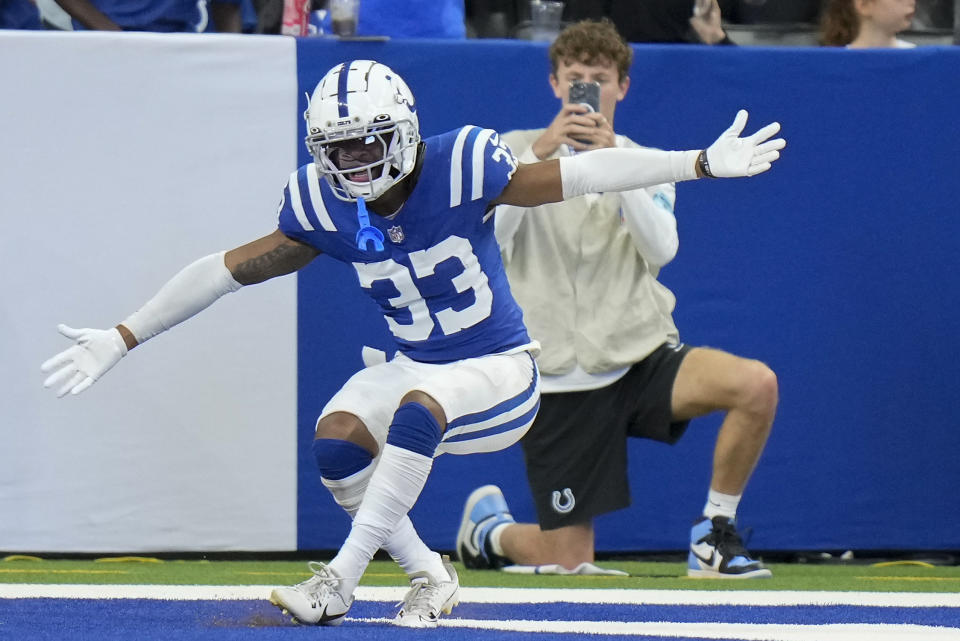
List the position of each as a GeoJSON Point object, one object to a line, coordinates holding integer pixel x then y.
{"type": "Point", "coordinates": [438, 280]}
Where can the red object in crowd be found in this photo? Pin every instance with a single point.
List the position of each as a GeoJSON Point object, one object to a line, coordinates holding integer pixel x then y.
{"type": "Point", "coordinates": [296, 17]}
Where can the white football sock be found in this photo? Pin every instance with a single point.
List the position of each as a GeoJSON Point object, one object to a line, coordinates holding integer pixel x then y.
{"type": "Point", "coordinates": [404, 545]}
{"type": "Point", "coordinates": [495, 535]}
{"type": "Point", "coordinates": [348, 492]}
{"type": "Point", "coordinates": [410, 552]}
{"type": "Point", "coordinates": [719, 504]}
{"type": "Point", "coordinates": [391, 492]}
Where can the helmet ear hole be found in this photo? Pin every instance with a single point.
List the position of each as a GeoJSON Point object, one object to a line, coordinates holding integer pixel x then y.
{"type": "Point", "coordinates": [362, 101]}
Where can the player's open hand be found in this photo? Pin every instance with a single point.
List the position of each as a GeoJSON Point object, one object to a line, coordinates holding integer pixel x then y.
{"type": "Point", "coordinates": [79, 366]}
{"type": "Point", "coordinates": [731, 156]}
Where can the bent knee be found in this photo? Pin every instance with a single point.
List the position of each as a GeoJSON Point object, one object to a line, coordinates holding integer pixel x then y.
{"type": "Point", "coordinates": [422, 398]}
{"type": "Point", "coordinates": [346, 427]}
{"type": "Point", "coordinates": [760, 389]}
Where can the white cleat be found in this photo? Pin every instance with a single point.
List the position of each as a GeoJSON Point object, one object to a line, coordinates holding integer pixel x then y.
{"type": "Point", "coordinates": [318, 600]}
{"type": "Point", "coordinates": [428, 597]}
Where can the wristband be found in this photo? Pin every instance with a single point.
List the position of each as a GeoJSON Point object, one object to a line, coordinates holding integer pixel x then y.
{"type": "Point", "coordinates": [704, 165]}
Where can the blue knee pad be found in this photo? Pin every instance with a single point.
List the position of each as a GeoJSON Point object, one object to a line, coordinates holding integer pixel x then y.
{"type": "Point", "coordinates": [414, 428]}
{"type": "Point", "coordinates": [338, 459]}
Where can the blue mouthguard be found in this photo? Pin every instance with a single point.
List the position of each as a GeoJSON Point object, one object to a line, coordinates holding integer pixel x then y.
{"type": "Point", "coordinates": [368, 233]}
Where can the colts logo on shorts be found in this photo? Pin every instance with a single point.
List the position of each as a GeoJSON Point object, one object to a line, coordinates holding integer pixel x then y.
{"type": "Point", "coordinates": [563, 503]}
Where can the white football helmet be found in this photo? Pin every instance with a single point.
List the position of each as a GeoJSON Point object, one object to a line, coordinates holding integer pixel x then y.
{"type": "Point", "coordinates": [362, 129]}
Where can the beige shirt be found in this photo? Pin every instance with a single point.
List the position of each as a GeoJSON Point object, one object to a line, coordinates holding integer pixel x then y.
{"type": "Point", "coordinates": [587, 293]}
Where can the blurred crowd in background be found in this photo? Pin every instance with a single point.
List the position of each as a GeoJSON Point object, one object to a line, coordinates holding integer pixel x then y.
{"type": "Point", "coordinates": [666, 20]}
{"type": "Point", "coordinates": [776, 21]}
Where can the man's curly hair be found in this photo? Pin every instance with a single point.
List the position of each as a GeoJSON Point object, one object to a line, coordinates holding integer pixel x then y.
{"type": "Point", "coordinates": [590, 42]}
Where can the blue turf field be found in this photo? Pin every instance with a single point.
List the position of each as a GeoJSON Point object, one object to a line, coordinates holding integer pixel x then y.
{"type": "Point", "coordinates": [109, 619]}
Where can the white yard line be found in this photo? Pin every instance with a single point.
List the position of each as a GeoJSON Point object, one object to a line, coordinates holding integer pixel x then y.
{"type": "Point", "coordinates": [737, 631]}
{"type": "Point", "coordinates": [748, 631]}
{"type": "Point", "coordinates": [710, 597]}
{"type": "Point", "coordinates": [497, 595]}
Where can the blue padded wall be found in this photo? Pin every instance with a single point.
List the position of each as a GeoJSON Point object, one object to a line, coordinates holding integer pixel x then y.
{"type": "Point", "coordinates": [834, 268]}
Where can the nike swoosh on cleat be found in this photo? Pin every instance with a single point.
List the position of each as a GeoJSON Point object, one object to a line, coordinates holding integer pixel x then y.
{"type": "Point", "coordinates": [709, 561]}
{"type": "Point", "coordinates": [325, 618]}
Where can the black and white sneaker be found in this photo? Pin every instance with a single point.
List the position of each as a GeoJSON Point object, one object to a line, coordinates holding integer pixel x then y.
{"type": "Point", "coordinates": [484, 510]}
{"type": "Point", "coordinates": [717, 552]}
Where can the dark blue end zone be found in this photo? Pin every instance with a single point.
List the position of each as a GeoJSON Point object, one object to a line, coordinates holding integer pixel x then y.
{"type": "Point", "coordinates": [125, 619]}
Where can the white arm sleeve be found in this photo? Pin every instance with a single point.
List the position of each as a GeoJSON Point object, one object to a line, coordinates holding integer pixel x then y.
{"type": "Point", "coordinates": [506, 222]}
{"type": "Point", "coordinates": [624, 169]}
{"type": "Point", "coordinates": [651, 223]}
{"type": "Point", "coordinates": [192, 290]}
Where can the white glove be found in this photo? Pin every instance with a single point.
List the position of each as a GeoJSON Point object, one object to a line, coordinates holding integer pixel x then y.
{"type": "Point", "coordinates": [732, 157]}
{"type": "Point", "coordinates": [78, 367]}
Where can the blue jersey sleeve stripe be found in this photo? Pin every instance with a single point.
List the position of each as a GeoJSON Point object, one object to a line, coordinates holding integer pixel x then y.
{"type": "Point", "coordinates": [303, 192]}
{"type": "Point", "coordinates": [456, 167]}
{"type": "Point", "coordinates": [466, 158]}
{"type": "Point", "coordinates": [316, 199]}
{"type": "Point", "coordinates": [293, 186]}
{"type": "Point", "coordinates": [479, 160]}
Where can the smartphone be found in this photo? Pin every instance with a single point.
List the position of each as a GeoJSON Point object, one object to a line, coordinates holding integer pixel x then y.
{"type": "Point", "coordinates": [585, 93]}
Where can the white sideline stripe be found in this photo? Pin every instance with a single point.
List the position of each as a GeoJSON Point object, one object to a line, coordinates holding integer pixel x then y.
{"type": "Point", "coordinates": [497, 595]}
{"type": "Point", "coordinates": [711, 597]}
{"type": "Point", "coordinates": [738, 631]}
{"type": "Point", "coordinates": [152, 592]}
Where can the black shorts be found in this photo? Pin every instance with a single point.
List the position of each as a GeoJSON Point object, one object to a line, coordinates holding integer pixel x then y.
{"type": "Point", "coordinates": [576, 450]}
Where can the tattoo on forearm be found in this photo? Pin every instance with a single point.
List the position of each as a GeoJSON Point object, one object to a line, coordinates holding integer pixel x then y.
{"type": "Point", "coordinates": [281, 260]}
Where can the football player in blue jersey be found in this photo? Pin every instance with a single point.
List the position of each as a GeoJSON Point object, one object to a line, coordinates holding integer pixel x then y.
{"type": "Point", "coordinates": [414, 218]}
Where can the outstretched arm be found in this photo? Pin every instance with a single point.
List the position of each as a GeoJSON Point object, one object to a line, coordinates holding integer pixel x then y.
{"type": "Point", "coordinates": [273, 255]}
{"type": "Point", "coordinates": [605, 170]}
{"type": "Point", "coordinates": [189, 292]}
